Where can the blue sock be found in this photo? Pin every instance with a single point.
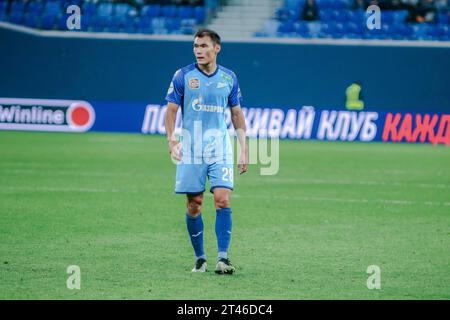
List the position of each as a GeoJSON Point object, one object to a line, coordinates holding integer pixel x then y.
{"type": "Point", "coordinates": [195, 230]}
{"type": "Point", "coordinates": [223, 230]}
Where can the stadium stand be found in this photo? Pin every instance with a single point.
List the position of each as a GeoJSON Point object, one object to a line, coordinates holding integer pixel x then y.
{"type": "Point", "coordinates": [147, 17]}
{"type": "Point", "coordinates": [338, 19]}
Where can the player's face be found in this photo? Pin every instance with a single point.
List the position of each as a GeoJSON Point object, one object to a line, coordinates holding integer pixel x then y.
{"type": "Point", "coordinates": [205, 50]}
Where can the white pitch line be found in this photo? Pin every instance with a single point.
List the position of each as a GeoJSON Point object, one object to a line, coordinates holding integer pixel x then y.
{"type": "Point", "coordinates": [63, 173]}
{"type": "Point", "coordinates": [363, 183]}
{"type": "Point", "coordinates": [345, 200]}
{"type": "Point", "coordinates": [9, 189]}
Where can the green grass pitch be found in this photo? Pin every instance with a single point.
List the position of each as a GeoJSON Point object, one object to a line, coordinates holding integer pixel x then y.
{"type": "Point", "coordinates": [105, 203]}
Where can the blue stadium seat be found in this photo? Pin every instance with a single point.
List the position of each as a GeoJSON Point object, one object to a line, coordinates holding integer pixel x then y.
{"type": "Point", "coordinates": [105, 9]}
{"type": "Point", "coordinates": [326, 15]}
{"type": "Point", "coordinates": [355, 29]}
{"type": "Point", "coordinates": [123, 9]}
{"type": "Point", "coordinates": [48, 21]}
{"type": "Point", "coordinates": [420, 30]}
{"type": "Point", "coordinates": [294, 4]}
{"type": "Point", "coordinates": [443, 18]}
{"type": "Point", "coordinates": [339, 4]}
{"type": "Point", "coordinates": [437, 31]}
{"type": "Point", "coordinates": [324, 4]}
{"type": "Point", "coordinates": [101, 23]}
{"type": "Point", "coordinates": [161, 31]}
{"type": "Point", "coordinates": [339, 15]}
{"type": "Point", "coordinates": [338, 31]}
{"type": "Point", "coordinates": [31, 20]}
{"type": "Point", "coordinates": [356, 16]}
{"type": "Point", "coordinates": [270, 28]}
{"type": "Point", "coordinates": [185, 12]}
{"type": "Point", "coordinates": [52, 8]}
{"type": "Point", "coordinates": [172, 24]}
{"type": "Point", "coordinates": [3, 8]}
{"type": "Point", "coordinates": [144, 25]}
{"type": "Point", "coordinates": [151, 11]}
{"type": "Point", "coordinates": [16, 17]}
{"type": "Point", "coordinates": [399, 16]}
{"type": "Point", "coordinates": [88, 8]}
{"type": "Point", "coordinates": [158, 23]}
{"type": "Point", "coordinates": [286, 27]}
{"type": "Point", "coordinates": [17, 6]}
{"type": "Point", "coordinates": [169, 11]}
{"type": "Point", "coordinates": [35, 7]}
{"type": "Point", "coordinates": [187, 23]}
{"type": "Point", "coordinates": [131, 26]}
{"type": "Point", "coordinates": [66, 3]}
{"type": "Point", "coordinates": [200, 14]}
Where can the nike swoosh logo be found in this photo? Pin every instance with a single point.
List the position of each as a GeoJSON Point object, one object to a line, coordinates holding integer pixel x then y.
{"type": "Point", "coordinates": [229, 232]}
{"type": "Point", "coordinates": [196, 235]}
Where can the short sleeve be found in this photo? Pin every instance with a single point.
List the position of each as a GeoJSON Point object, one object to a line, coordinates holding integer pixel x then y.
{"type": "Point", "coordinates": [175, 92]}
{"type": "Point", "coordinates": [235, 97]}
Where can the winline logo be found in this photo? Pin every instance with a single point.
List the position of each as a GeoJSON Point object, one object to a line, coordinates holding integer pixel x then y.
{"type": "Point", "coordinates": [46, 115]}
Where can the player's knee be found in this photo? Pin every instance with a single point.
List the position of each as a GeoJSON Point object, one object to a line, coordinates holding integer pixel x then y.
{"type": "Point", "coordinates": [222, 201]}
{"type": "Point", "coordinates": [194, 205]}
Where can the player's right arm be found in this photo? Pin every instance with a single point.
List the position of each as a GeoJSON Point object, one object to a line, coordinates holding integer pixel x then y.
{"type": "Point", "coordinates": [174, 99]}
{"type": "Point", "coordinates": [171, 116]}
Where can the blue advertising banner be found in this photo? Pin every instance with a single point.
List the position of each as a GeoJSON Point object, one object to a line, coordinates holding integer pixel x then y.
{"type": "Point", "coordinates": [305, 123]}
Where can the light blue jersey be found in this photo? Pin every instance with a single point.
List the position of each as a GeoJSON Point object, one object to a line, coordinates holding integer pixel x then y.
{"type": "Point", "coordinates": [206, 146]}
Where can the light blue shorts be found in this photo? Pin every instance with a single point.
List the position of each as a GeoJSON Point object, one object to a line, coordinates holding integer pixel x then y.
{"type": "Point", "coordinates": [191, 178]}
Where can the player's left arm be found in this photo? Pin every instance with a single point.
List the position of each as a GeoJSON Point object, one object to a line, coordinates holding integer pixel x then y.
{"type": "Point", "coordinates": [238, 119]}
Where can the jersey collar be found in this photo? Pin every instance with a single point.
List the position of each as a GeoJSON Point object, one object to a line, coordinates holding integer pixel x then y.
{"type": "Point", "coordinates": [208, 75]}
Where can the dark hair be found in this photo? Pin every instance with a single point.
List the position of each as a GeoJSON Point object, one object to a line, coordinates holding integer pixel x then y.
{"type": "Point", "coordinates": [210, 33]}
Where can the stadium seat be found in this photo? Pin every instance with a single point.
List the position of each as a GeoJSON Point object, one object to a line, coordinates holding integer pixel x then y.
{"type": "Point", "coordinates": [105, 9]}
{"type": "Point", "coordinates": [185, 12]}
{"type": "Point", "coordinates": [16, 17]}
{"type": "Point", "coordinates": [52, 8]}
{"type": "Point", "coordinates": [89, 8]}
{"type": "Point", "coordinates": [286, 27]}
{"type": "Point", "coordinates": [339, 15]}
{"type": "Point", "coordinates": [187, 23]}
{"type": "Point", "coordinates": [200, 14]}
{"type": "Point", "coordinates": [294, 4]}
{"type": "Point", "coordinates": [169, 11]}
{"type": "Point", "coordinates": [399, 16]}
{"type": "Point", "coordinates": [151, 11]}
{"type": "Point", "coordinates": [17, 6]}
{"type": "Point", "coordinates": [270, 28]}
{"type": "Point", "coordinates": [67, 3]}
{"type": "Point", "coordinates": [48, 21]}
{"type": "Point", "coordinates": [31, 20]}
{"type": "Point", "coordinates": [131, 26]}
{"type": "Point", "coordinates": [3, 8]}
{"type": "Point", "coordinates": [158, 23]}
{"type": "Point", "coordinates": [35, 7]}
{"type": "Point", "coordinates": [356, 16]}
{"type": "Point", "coordinates": [144, 25]}
{"type": "Point", "coordinates": [172, 24]}
{"type": "Point", "coordinates": [326, 15]}
{"type": "Point", "coordinates": [340, 4]}
{"type": "Point", "coordinates": [443, 18]}
{"type": "Point", "coordinates": [122, 9]}
{"type": "Point", "coordinates": [324, 4]}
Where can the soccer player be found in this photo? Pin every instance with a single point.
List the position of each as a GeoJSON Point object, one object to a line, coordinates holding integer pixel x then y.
{"type": "Point", "coordinates": [204, 90]}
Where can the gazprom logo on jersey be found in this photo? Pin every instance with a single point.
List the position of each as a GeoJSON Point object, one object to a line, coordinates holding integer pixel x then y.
{"type": "Point", "coordinates": [197, 105]}
{"type": "Point", "coordinates": [46, 115]}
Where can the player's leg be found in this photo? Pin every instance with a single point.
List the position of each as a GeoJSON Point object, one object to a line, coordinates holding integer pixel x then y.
{"type": "Point", "coordinates": [221, 180]}
{"type": "Point", "coordinates": [190, 180]}
{"type": "Point", "coordinates": [194, 223]}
